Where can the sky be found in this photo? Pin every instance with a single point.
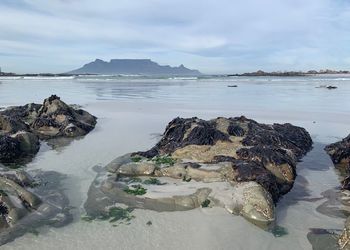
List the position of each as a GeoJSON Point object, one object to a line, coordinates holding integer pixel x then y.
{"type": "Point", "coordinates": [213, 36]}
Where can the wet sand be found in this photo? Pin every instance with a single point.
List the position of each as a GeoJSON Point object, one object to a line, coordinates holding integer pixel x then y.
{"type": "Point", "coordinates": [131, 124]}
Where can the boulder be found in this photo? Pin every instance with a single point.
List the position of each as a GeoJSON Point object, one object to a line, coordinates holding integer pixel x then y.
{"type": "Point", "coordinates": [340, 152]}
{"type": "Point", "coordinates": [245, 167]}
{"type": "Point", "coordinates": [21, 127]}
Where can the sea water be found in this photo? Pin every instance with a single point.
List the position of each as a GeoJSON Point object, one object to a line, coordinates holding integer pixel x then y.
{"type": "Point", "coordinates": [133, 111]}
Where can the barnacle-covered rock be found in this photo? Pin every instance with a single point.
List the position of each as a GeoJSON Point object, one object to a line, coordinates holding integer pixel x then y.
{"type": "Point", "coordinates": [244, 167]}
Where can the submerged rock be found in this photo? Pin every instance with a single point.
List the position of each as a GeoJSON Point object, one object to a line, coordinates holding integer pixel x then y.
{"type": "Point", "coordinates": [30, 200]}
{"type": "Point", "coordinates": [235, 163]}
{"type": "Point", "coordinates": [22, 126]}
{"type": "Point", "coordinates": [340, 155]}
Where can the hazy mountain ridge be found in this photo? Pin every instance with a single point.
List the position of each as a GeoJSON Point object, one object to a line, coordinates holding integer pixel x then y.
{"type": "Point", "coordinates": [132, 67]}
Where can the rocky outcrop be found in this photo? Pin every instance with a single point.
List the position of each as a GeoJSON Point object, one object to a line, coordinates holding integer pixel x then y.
{"type": "Point", "coordinates": [21, 127]}
{"type": "Point", "coordinates": [340, 155]}
{"type": "Point", "coordinates": [340, 152]}
{"type": "Point", "coordinates": [235, 163]}
{"type": "Point", "coordinates": [30, 200]}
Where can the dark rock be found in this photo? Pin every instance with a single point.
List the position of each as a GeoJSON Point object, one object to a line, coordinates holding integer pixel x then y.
{"type": "Point", "coordinates": [340, 151]}
{"type": "Point", "coordinates": [21, 126]}
{"type": "Point", "coordinates": [223, 158]}
{"type": "Point", "coordinates": [346, 183]}
{"type": "Point", "coordinates": [286, 135]}
{"type": "Point", "coordinates": [331, 87]}
{"type": "Point", "coordinates": [268, 153]}
{"type": "Point", "coordinates": [10, 124]}
{"type": "Point", "coordinates": [235, 130]}
{"type": "Point", "coordinates": [253, 171]}
{"type": "Point", "coordinates": [204, 134]}
{"type": "Point", "coordinates": [9, 148]}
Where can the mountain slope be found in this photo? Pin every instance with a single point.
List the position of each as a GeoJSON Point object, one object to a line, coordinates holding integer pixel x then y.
{"type": "Point", "coordinates": [132, 67]}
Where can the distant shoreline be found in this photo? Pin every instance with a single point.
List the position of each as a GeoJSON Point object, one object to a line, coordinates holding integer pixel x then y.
{"type": "Point", "coordinates": [248, 74]}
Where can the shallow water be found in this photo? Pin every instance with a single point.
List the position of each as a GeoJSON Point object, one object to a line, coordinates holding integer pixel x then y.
{"type": "Point", "coordinates": [132, 111]}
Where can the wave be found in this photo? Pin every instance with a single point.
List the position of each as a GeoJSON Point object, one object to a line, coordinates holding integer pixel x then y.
{"type": "Point", "coordinates": [183, 78]}
{"type": "Point", "coordinates": [36, 77]}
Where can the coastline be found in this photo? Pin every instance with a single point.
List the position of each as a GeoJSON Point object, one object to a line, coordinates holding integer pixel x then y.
{"type": "Point", "coordinates": [119, 116]}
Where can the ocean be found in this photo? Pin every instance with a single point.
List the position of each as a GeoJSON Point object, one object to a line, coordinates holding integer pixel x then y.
{"type": "Point", "coordinates": [133, 111]}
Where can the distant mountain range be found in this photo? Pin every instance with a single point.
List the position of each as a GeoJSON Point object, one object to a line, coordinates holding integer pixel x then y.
{"type": "Point", "coordinates": [132, 67]}
{"type": "Point", "coordinates": [294, 73]}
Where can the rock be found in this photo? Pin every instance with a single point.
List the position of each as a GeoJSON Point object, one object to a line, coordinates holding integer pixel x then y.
{"type": "Point", "coordinates": [134, 169]}
{"type": "Point", "coordinates": [11, 125]}
{"type": "Point", "coordinates": [344, 239]}
{"type": "Point", "coordinates": [56, 118]}
{"type": "Point", "coordinates": [22, 126]}
{"type": "Point", "coordinates": [331, 87]}
{"type": "Point", "coordinates": [28, 142]}
{"type": "Point", "coordinates": [23, 211]}
{"type": "Point", "coordinates": [244, 167]}
{"type": "Point", "coordinates": [257, 204]}
{"type": "Point", "coordinates": [340, 152]}
{"type": "Point", "coordinates": [9, 149]}
{"type": "Point", "coordinates": [340, 155]}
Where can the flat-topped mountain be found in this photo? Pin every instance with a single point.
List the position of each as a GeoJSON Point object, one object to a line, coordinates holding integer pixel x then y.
{"type": "Point", "coordinates": [132, 67]}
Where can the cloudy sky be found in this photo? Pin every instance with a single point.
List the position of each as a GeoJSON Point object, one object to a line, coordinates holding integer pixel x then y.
{"type": "Point", "coordinates": [214, 36]}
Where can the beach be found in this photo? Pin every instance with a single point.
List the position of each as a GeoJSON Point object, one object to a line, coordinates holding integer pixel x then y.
{"type": "Point", "coordinates": [132, 112]}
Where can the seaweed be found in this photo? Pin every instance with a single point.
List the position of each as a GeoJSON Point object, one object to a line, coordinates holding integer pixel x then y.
{"type": "Point", "coordinates": [163, 160]}
{"type": "Point", "coordinates": [205, 203]}
{"type": "Point", "coordinates": [114, 214]}
{"type": "Point", "coordinates": [153, 181]}
{"type": "Point", "coordinates": [279, 231]}
{"type": "Point", "coordinates": [136, 190]}
{"type": "Point", "coordinates": [136, 158]}
{"type": "Point", "coordinates": [120, 214]}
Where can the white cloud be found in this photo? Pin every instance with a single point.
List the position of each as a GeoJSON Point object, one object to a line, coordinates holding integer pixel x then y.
{"type": "Point", "coordinates": [214, 36]}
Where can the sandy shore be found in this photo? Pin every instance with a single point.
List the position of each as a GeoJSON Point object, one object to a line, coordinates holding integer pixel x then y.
{"type": "Point", "coordinates": [130, 125]}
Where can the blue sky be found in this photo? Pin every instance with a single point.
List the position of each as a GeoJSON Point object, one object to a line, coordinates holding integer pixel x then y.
{"type": "Point", "coordinates": [221, 36]}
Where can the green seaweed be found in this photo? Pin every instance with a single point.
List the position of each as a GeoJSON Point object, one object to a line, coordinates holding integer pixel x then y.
{"type": "Point", "coordinates": [205, 203]}
{"type": "Point", "coordinates": [279, 231]}
{"type": "Point", "coordinates": [114, 214]}
{"type": "Point", "coordinates": [120, 214]}
{"type": "Point", "coordinates": [153, 181]}
{"type": "Point", "coordinates": [136, 190]}
{"type": "Point", "coordinates": [136, 158]}
{"type": "Point", "coordinates": [163, 160]}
